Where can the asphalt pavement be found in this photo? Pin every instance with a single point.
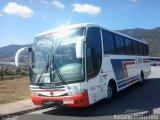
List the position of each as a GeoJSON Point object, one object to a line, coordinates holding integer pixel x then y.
{"type": "Point", "coordinates": [142, 100]}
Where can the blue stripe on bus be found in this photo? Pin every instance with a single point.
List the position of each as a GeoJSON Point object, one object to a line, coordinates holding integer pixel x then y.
{"type": "Point", "coordinates": [120, 82]}
{"type": "Point", "coordinates": [132, 79]}
{"type": "Point", "coordinates": [122, 85]}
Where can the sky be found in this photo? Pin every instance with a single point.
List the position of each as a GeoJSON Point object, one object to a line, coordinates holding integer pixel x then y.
{"type": "Point", "coordinates": [22, 20]}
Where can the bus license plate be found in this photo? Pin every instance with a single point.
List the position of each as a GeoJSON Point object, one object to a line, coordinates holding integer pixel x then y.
{"type": "Point", "coordinates": [68, 101]}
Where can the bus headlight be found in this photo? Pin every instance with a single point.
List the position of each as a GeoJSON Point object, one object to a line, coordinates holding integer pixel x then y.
{"type": "Point", "coordinates": [76, 92]}
{"type": "Point", "coordinates": [34, 94]}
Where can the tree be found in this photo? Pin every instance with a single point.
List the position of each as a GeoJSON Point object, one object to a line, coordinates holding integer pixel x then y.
{"type": "Point", "coordinates": [2, 73]}
{"type": "Point", "coordinates": [6, 71]}
{"type": "Point", "coordinates": [18, 71]}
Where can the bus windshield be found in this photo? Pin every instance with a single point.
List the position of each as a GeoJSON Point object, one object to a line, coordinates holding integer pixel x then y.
{"type": "Point", "coordinates": [53, 58]}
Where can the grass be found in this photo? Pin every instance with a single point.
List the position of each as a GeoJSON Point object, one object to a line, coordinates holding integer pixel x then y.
{"type": "Point", "coordinates": [14, 90]}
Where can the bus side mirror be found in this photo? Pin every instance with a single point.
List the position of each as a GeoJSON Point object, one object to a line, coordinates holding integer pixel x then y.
{"type": "Point", "coordinates": [18, 54]}
{"type": "Point", "coordinates": [79, 48]}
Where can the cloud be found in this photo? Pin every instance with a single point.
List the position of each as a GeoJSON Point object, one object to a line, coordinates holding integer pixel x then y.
{"type": "Point", "coordinates": [86, 8]}
{"type": "Point", "coordinates": [13, 8]}
{"type": "Point", "coordinates": [58, 4]}
{"type": "Point", "coordinates": [30, 1]}
{"type": "Point", "coordinates": [44, 1]}
{"type": "Point", "coordinates": [134, 1]}
{"type": "Point", "coordinates": [1, 15]}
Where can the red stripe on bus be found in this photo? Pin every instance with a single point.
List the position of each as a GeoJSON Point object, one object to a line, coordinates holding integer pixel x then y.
{"type": "Point", "coordinates": [125, 67]}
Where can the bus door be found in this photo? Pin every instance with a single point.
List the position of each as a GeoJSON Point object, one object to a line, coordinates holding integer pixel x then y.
{"type": "Point", "coordinates": [102, 87]}
{"type": "Point", "coordinates": [93, 65]}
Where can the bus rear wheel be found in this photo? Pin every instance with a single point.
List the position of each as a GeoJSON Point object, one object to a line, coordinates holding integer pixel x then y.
{"type": "Point", "coordinates": [111, 91]}
{"type": "Point", "coordinates": [141, 78]}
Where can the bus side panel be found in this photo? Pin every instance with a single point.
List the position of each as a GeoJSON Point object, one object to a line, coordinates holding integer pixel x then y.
{"type": "Point", "coordinates": [147, 66]}
{"type": "Point", "coordinates": [126, 69]}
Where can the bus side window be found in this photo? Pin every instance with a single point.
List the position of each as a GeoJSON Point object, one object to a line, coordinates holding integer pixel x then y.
{"type": "Point", "coordinates": [108, 42]}
{"type": "Point", "coordinates": [119, 44]}
{"type": "Point", "coordinates": [135, 47]}
{"type": "Point", "coordinates": [143, 48]}
{"type": "Point", "coordinates": [140, 48]}
{"type": "Point", "coordinates": [147, 50]}
{"type": "Point", "coordinates": [128, 44]}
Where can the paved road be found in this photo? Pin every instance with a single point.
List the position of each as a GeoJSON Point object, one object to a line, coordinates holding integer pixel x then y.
{"type": "Point", "coordinates": [145, 99]}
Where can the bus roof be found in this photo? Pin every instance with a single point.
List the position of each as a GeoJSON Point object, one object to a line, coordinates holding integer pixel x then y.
{"type": "Point", "coordinates": [87, 25]}
{"type": "Point", "coordinates": [74, 26]}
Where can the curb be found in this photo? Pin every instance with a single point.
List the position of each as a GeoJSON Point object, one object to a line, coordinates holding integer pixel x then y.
{"type": "Point", "coordinates": [23, 112]}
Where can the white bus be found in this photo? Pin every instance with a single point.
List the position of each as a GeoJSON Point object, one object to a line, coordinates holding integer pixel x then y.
{"type": "Point", "coordinates": [81, 64]}
{"type": "Point", "coordinates": [155, 61]}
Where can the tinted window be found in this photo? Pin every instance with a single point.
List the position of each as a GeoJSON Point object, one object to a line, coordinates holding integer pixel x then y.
{"type": "Point", "coordinates": [140, 48]}
{"type": "Point", "coordinates": [94, 52]}
{"type": "Point", "coordinates": [108, 42]}
{"type": "Point", "coordinates": [147, 49]}
{"type": "Point", "coordinates": [135, 47]}
{"type": "Point", "coordinates": [128, 44]}
{"type": "Point", "coordinates": [119, 44]}
{"type": "Point", "coordinates": [144, 49]}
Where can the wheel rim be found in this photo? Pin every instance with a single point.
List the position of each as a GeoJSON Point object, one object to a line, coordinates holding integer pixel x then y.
{"type": "Point", "coordinates": [109, 93]}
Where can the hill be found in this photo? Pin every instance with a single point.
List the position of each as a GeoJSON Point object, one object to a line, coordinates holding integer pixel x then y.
{"type": "Point", "coordinates": [7, 53]}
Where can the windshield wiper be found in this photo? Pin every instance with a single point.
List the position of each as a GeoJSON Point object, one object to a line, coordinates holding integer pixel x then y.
{"type": "Point", "coordinates": [53, 66]}
{"type": "Point", "coordinates": [44, 70]}
{"type": "Point", "coordinates": [57, 71]}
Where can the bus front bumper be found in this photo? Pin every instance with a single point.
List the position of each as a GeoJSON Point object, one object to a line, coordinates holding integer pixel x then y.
{"type": "Point", "coordinates": [80, 100]}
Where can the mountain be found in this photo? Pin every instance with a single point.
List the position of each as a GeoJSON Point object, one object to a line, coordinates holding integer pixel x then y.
{"type": "Point", "coordinates": [7, 53]}
{"type": "Point", "coordinates": [151, 36]}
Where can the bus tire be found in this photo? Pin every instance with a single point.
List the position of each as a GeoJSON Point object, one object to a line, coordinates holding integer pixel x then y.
{"type": "Point", "coordinates": [141, 79]}
{"type": "Point", "coordinates": [111, 91]}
